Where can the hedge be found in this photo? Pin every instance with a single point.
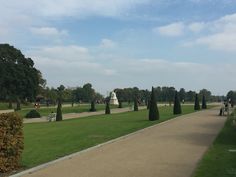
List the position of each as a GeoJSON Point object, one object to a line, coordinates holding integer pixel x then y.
{"type": "Point", "coordinates": [33, 114]}
{"type": "Point", "coordinates": [11, 141]}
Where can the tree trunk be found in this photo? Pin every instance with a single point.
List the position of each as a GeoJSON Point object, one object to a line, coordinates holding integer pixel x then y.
{"type": "Point", "coordinates": [18, 107]}
{"type": "Point", "coordinates": [10, 104]}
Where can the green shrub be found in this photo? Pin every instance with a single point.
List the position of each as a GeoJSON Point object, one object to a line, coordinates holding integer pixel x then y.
{"type": "Point", "coordinates": [107, 110]}
{"type": "Point", "coordinates": [135, 104]}
{"type": "Point", "coordinates": [92, 109]}
{"type": "Point", "coordinates": [120, 104]}
{"type": "Point", "coordinates": [153, 109]}
{"type": "Point", "coordinates": [11, 141]}
{"type": "Point", "coordinates": [177, 106]}
{"type": "Point", "coordinates": [59, 113]}
{"type": "Point", "coordinates": [148, 104]}
{"type": "Point", "coordinates": [204, 105]}
{"type": "Point", "coordinates": [33, 114]}
{"type": "Point", "coordinates": [196, 104]}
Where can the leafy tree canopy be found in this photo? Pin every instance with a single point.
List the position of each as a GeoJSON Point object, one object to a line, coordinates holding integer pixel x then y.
{"type": "Point", "coordinates": [19, 78]}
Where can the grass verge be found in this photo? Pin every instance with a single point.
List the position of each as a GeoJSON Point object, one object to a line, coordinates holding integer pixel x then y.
{"type": "Point", "coordinates": [219, 161]}
{"type": "Point", "coordinates": [48, 141]}
{"type": "Point", "coordinates": [65, 110]}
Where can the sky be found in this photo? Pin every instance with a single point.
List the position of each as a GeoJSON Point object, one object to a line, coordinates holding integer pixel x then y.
{"type": "Point", "coordinates": [126, 43]}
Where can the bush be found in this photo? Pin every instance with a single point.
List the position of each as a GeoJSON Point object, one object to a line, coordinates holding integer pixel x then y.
{"type": "Point", "coordinates": [135, 104]}
{"type": "Point", "coordinates": [107, 110]}
{"type": "Point", "coordinates": [196, 104]}
{"type": "Point", "coordinates": [59, 113]}
{"type": "Point", "coordinates": [148, 104]}
{"type": "Point", "coordinates": [204, 105]}
{"type": "Point", "coordinates": [153, 109]}
{"type": "Point", "coordinates": [11, 141]}
{"type": "Point", "coordinates": [92, 109]}
{"type": "Point", "coordinates": [33, 114]}
{"type": "Point", "coordinates": [177, 106]}
{"type": "Point", "coordinates": [120, 104]}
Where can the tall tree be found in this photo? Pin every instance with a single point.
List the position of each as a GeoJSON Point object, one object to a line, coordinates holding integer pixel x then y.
{"type": "Point", "coordinates": [206, 93]}
{"type": "Point", "coordinates": [204, 105]}
{"type": "Point", "coordinates": [196, 104]}
{"type": "Point", "coordinates": [153, 109]}
{"type": "Point", "coordinates": [19, 80]}
{"type": "Point", "coordinates": [231, 95]}
{"type": "Point", "coordinates": [177, 107]}
{"type": "Point", "coordinates": [89, 92]}
{"type": "Point", "coordinates": [190, 96]}
{"type": "Point", "coordinates": [182, 95]}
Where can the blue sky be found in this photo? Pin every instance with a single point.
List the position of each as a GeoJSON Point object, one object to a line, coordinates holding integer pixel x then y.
{"type": "Point", "coordinates": [126, 43]}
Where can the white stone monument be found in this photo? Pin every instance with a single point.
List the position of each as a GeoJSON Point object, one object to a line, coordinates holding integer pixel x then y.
{"type": "Point", "coordinates": [114, 100]}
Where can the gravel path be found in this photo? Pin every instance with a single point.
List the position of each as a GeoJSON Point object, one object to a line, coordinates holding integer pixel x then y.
{"type": "Point", "coordinates": [169, 149]}
{"type": "Point", "coordinates": [83, 114]}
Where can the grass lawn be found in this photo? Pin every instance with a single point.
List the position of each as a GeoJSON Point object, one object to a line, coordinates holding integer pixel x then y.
{"type": "Point", "coordinates": [218, 161]}
{"type": "Point", "coordinates": [48, 141]}
{"type": "Point", "coordinates": [4, 105]}
{"type": "Point", "coordinates": [75, 109]}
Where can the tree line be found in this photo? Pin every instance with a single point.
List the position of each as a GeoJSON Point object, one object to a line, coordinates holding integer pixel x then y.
{"type": "Point", "coordinates": [21, 82]}
{"type": "Point", "coordinates": [163, 94]}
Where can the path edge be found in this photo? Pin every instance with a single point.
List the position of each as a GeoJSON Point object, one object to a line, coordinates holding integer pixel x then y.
{"type": "Point", "coordinates": [44, 165]}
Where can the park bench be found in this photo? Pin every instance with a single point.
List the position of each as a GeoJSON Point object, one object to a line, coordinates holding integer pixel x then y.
{"type": "Point", "coordinates": [51, 117]}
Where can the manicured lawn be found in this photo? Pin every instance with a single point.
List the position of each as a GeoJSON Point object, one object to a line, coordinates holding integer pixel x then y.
{"type": "Point", "coordinates": [48, 141]}
{"type": "Point", "coordinates": [4, 105]}
{"type": "Point", "coordinates": [65, 110]}
{"type": "Point", "coordinates": [218, 161]}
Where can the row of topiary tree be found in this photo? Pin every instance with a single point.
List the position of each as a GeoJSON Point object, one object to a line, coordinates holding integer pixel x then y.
{"type": "Point", "coordinates": [153, 109]}
{"type": "Point", "coordinates": [152, 106]}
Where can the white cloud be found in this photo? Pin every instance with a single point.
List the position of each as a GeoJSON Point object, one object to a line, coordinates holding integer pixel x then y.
{"type": "Point", "coordinates": [71, 8]}
{"type": "Point", "coordinates": [220, 41]}
{"type": "Point", "coordinates": [81, 8]}
{"type": "Point", "coordinates": [48, 31]}
{"type": "Point", "coordinates": [107, 44]}
{"type": "Point", "coordinates": [69, 65]}
{"type": "Point", "coordinates": [174, 29]}
{"type": "Point", "coordinates": [17, 17]}
{"type": "Point", "coordinates": [71, 53]}
{"type": "Point", "coordinates": [221, 35]}
{"type": "Point", "coordinates": [75, 65]}
{"type": "Point", "coordinates": [197, 26]}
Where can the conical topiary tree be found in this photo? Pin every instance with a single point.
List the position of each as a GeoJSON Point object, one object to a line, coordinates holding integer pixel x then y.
{"type": "Point", "coordinates": [59, 113]}
{"type": "Point", "coordinates": [196, 104]}
{"type": "Point", "coordinates": [148, 104]}
{"type": "Point", "coordinates": [107, 110]}
{"type": "Point", "coordinates": [135, 104]}
{"type": "Point", "coordinates": [153, 109]}
{"type": "Point", "coordinates": [92, 109]}
{"type": "Point", "coordinates": [120, 104]}
{"type": "Point", "coordinates": [177, 106]}
{"type": "Point", "coordinates": [204, 105]}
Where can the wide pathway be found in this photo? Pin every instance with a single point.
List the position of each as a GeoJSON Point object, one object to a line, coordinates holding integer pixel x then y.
{"type": "Point", "coordinates": [170, 149]}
